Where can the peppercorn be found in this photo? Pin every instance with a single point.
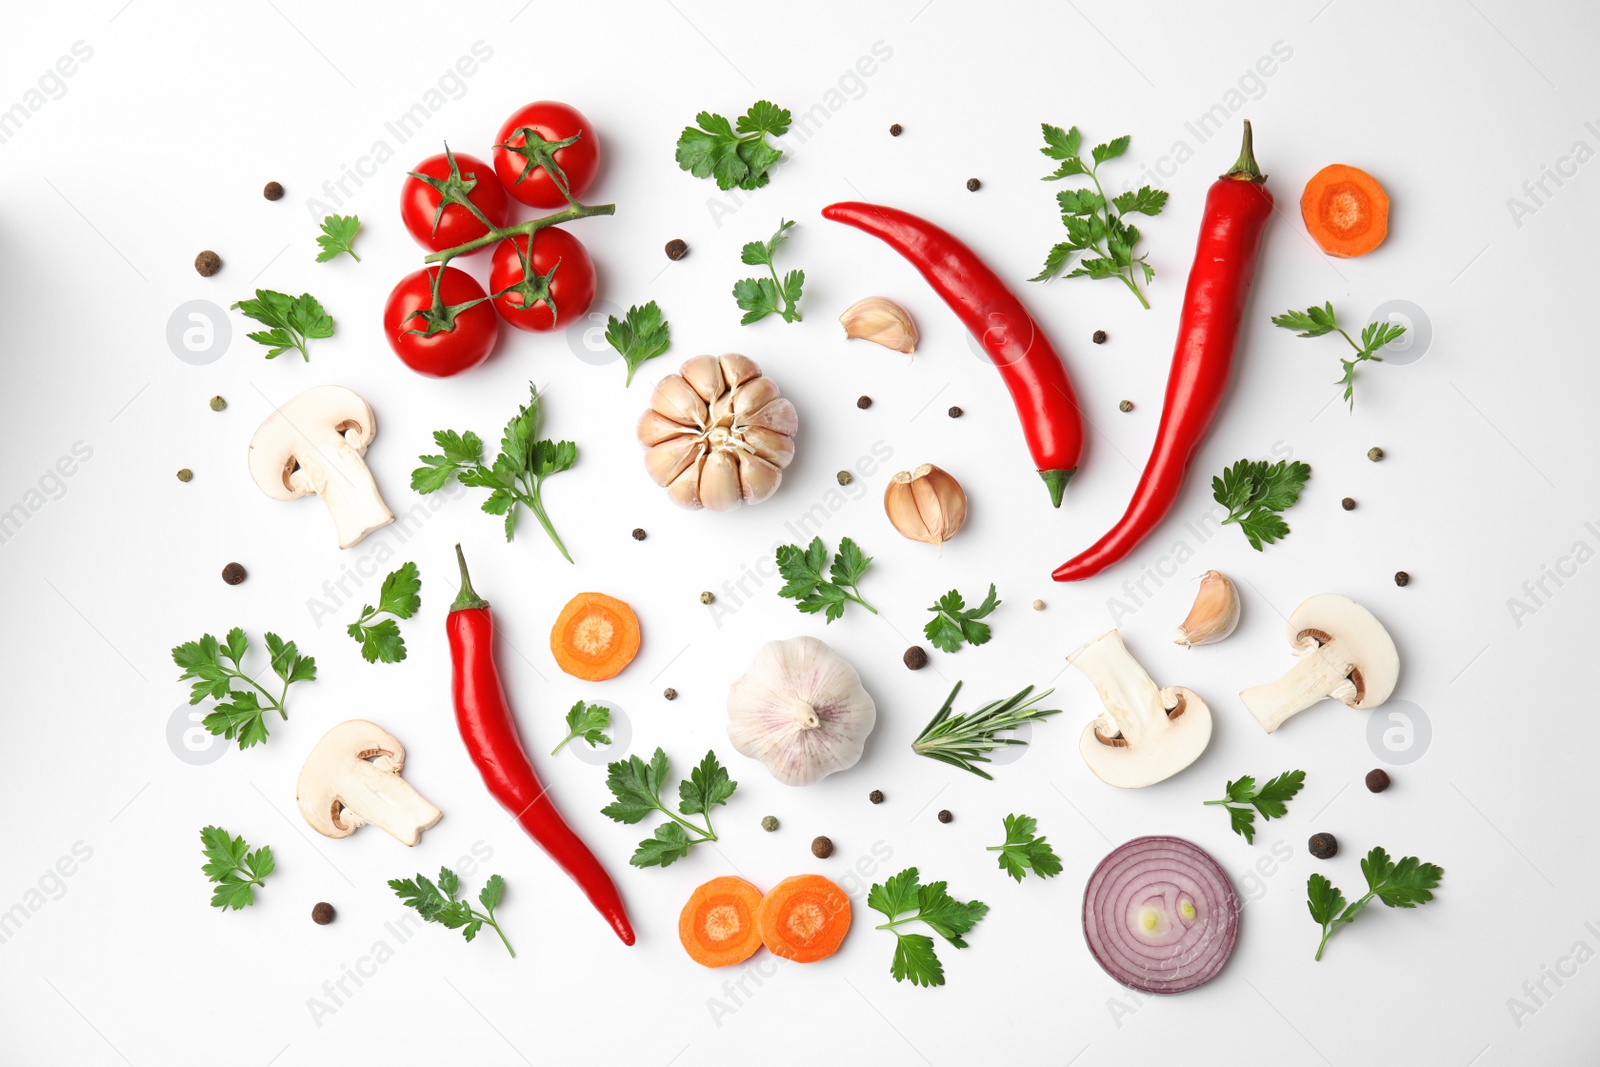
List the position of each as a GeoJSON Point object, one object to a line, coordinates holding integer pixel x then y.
{"type": "Point", "coordinates": [677, 249]}
{"type": "Point", "coordinates": [1374, 454]}
{"type": "Point", "coordinates": [707, 597]}
{"type": "Point", "coordinates": [273, 191]}
{"type": "Point", "coordinates": [915, 659]}
{"type": "Point", "coordinates": [1348, 503]}
{"type": "Point", "coordinates": [669, 693]}
{"type": "Point", "coordinates": [217, 403]}
{"type": "Point", "coordinates": [1377, 780]}
{"type": "Point", "coordinates": [844, 477]}
{"type": "Point", "coordinates": [639, 534]}
{"type": "Point", "coordinates": [1125, 407]}
{"type": "Point", "coordinates": [863, 402]}
{"type": "Point", "coordinates": [769, 823]}
{"type": "Point", "coordinates": [821, 847]}
{"type": "Point", "coordinates": [1038, 605]}
{"type": "Point", "coordinates": [973, 185]}
{"type": "Point", "coordinates": [896, 130]}
{"type": "Point", "coordinates": [954, 413]}
{"type": "Point", "coordinates": [233, 574]}
{"type": "Point", "coordinates": [207, 263]}
{"type": "Point", "coordinates": [1099, 337]}
{"type": "Point", "coordinates": [321, 914]}
{"type": "Point", "coordinates": [185, 475]}
{"type": "Point", "coordinates": [945, 816]}
{"type": "Point", "coordinates": [1324, 846]}
{"type": "Point", "coordinates": [1401, 577]}
{"type": "Point", "coordinates": [876, 796]}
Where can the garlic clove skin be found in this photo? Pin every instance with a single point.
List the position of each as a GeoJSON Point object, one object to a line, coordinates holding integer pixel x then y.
{"type": "Point", "coordinates": [747, 399]}
{"type": "Point", "coordinates": [719, 482]}
{"type": "Point", "coordinates": [655, 428]}
{"type": "Point", "coordinates": [758, 479]}
{"type": "Point", "coordinates": [737, 369]}
{"type": "Point", "coordinates": [671, 458]}
{"type": "Point", "coordinates": [926, 504]}
{"type": "Point", "coordinates": [685, 489]}
{"type": "Point", "coordinates": [776, 448]}
{"type": "Point", "coordinates": [778, 415]}
{"type": "Point", "coordinates": [881, 321]}
{"type": "Point", "coordinates": [1214, 615]}
{"type": "Point", "coordinates": [674, 398]}
{"type": "Point", "coordinates": [704, 375]}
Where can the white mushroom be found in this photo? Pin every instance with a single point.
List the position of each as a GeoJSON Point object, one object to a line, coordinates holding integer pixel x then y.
{"type": "Point", "coordinates": [314, 444]}
{"type": "Point", "coordinates": [352, 778]}
{"type": "Point", "coordinates": [1345, 653]}
{"type": "Point", "coordinates": [1145, 734]}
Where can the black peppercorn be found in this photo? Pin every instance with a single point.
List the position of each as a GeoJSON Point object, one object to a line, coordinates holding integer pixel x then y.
{"type": "Point", "coordinates": [677, 249]}
{"type": "Point", "coordinates": [955, 413]}
{"type": "Point", "coordinates": [876, 796]}
{"type": "Point", "coordinates": [821, 847]}
{"type": "Point", "coordinates": [1324, 846]}
{"type": "Point", "coordinates": [207, 263]}
{"type": "Point", "coordinates": [915, 659]}
{"type": "Point", "coordinates": [945, 816]}
{"type": "Point", "coordinates": [639, 534]}
{"type": "Point", "coordinates": [896, 130]}
{"type": "Point", "coordinates": [1401, 577]}
{"type": "Point", "coordinates": [669, 694]}
{"type": "Point", "coordinates": [1099, 337]}
{"type": "Point", "coordinates": [863, 402]}
{"type": "Point", "coordinates": [1377, 780]}
{"type": "Point", "coordinates": [1348, 503]}
{"type": "Point", "coordinates": [973, 185]}
{"type": "Point", "coordinates": [233, 574]}
{"type": "Point", "coordinates": [273, 191]}
{"type": "Point", "coordinates": [321, 914]}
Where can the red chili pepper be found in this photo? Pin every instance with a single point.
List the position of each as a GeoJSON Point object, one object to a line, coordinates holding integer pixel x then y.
{"type": "Point", "coordinates": [1009, 336]}
{"type": "Point", "coordinates": [1237, 209]}
{"type": "Point", "coordinates": [490, 733]}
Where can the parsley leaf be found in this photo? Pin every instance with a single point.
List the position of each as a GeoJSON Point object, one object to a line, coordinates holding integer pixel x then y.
{"type": "Point", "coordinates": [1270, 800]}
{"type": "Point", "coordinates": [338, 235]}
{"type": "Point", "coordinates": [712, 149]}
{"type": "Point", "coordinates": [954, 623]}
{"type": "Point", "coordinates": [965, 740]}
{"type": "Point", "coordinates": [804, 579]}
{"type": "Point", "coordinates": [902, 900]}
{"type": "Point", "coordinates": [760, 297]}
{"type": "Point", "coordinates": [239, 714]}
{"type": "Point", "coordinates": [292, 320]}
{"type": "Point", "coordinates": [637, 786]}
{"type": "Point", "coordinates": [1254, 491]}
{"type": "Point", "coordinates": [438, 903]}
{"type": "Point", "coordinates": [1408, 883]}
{"type": "Point", "coordinates": [515, 477]}
{"type": "Point", "coordinates": [642, 335]}
{"type": "Point", "coordinates": [234, 868]}
{"type": "Point", "coordinates": [399, 597]}
{"type": "Point", "coordinates": [1023, 852]}
{"type": "Point", "coordinates": [1317, 321]}
{"type": "Point", "coordinates": [588, 721]}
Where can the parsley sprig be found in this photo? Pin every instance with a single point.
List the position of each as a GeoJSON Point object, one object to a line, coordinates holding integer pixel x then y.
{"type": "Point", "coordinates": [588, 721]}
{"type": "Point", "coordinates": [1094, 223]}
{"type": "Point", "coordinates": [817, 590]}
{"type": "Point", "coordinates": [643, 334]}
{"type": "Point", "coordinates": [235, 869]}
{"type": "Point", "coordinates": [760, 297]}
{"type": "Point", "coordinates": [515, 477]}
{"type": "Point", "coordinates": [904, 900]}
{"type": "Point", "coordinates": [438, 903]}
{"type": "Point", "coordinates": [954, 624]}
{"type": "Point", "coordinates": [1023, 852]}
{"type": "Point", "coordinates": [1405, 884]}
{"type": "Point", "coordinates": [338, 237]}
{"type": "Point", "coordinates": [637, 786]}
{"type": "Point", "coordinates": [1254, 491]}
{"type": "Point", "coordinates": [239, 713]}
{"type": "Point", "coordinates": [735, 155]}
{"type": "Point", "coordinates": [1316, 321]}
{"type": "Point", "coordinates": [399, 598]}
{"type": "Point", "coordinates": [291, 321]}
{"type": "Point", "coordinates": [963, 740]}
{"type": "Point", "coordinates": [1270, 800]}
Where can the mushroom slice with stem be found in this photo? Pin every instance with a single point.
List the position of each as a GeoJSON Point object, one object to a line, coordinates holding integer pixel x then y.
{"type": "Point", "coordinates": [1345, 653]}
{"type": "Point", "coordinates": [1144, 734]}
{"type": "Point", "coordinates": [313, 444]}
{"type": "Point", "coordinates": [352, 778]}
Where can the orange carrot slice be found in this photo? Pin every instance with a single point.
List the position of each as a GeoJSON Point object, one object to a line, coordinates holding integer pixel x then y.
{"type": "Point", "coordinates": [718, 925]}
{"type": "Point", "coordinates": [1346, 210]}
{"type": "Point", "coordinates": [594, 637]}
{"type": "Point", "coordinates": [804, 918]}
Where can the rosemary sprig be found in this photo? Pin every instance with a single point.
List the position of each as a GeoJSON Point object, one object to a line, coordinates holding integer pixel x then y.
{"type": "Point", "coordinates": [963, 740]}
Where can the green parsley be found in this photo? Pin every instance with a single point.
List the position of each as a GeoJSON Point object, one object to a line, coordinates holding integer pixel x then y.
{"type": "Point", "coordinates": [1254, 492]}
{"type": "Point", "coordinates": [1023, 852]}
{"type": "Point", "coordinates": [1270, 800]}
{"type": "Point", "coordinates": [903, 900]}
{"type": "Point", "coordinates": [1316, 321]}
{"type": "Point", "coordinates": [292, 321]}
{"type": "Point", "coordinates": [399, 598]}
{"type": "Point", "coordinates": [1094, 223]}
{"type": "Point", "coordinates": [338, 236]}
{"type": "Point", "coordinates": [642, 335]}
{"type": "Point", "coordinates": [438, 903]}
{"type": "Point", "coordinates": [734, 155]}
{"type": "Point", "coordinates": [588, 721]}
{"type": "Point", "coordinates": [1406, 884]}
{"type": "Point", "coordinates": [235, 869]}
{"type": "Point", "coordinates": [239, 714]}
{"type": "Point", "coordinates": [637, 786]}
{"type": "Point", "coordinates": [515, 477]}
{"type": "Point", "coordinates": [760, 297]}
{"type": "Point", "coordinates": [802, 571]}
{"type": "Point", "coordinates": [963, 740]}
{"type": "Point", "coordinates": [954, 623]}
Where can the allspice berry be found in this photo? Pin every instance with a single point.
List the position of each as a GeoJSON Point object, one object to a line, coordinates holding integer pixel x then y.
{"type": "Point", "coordinates": [207, 263]}
{"type": "Point", "coordinates": [821, 847]}
{"type": "Point", "coordinates": [945, 816]}
{"type": "Point", "coordinates": [863, 402]}
{"type": "Point", "coordinates": [876, 796]}
{"type": "Point", "coordinates": [955, 413]}
{"type": "Point", "coordinates": [677, 249]}
{"type": "Point", "coordinates": [1323, 846]}
{"type": "Point", "coordinates": [915, 658]}
{"type": "Point", "coordinates": [973, 185]}
{"type": "Point", "coordinates": [233, 574]}
{"type": "Point", "coordinates": [896, 130]}
{"type": "Point", "coordinates": [639, 534]}
{"type": "Point", "coordinates": [1401, 577]}
{"type": "Point", "coordinates": [1377, 780]}
{"type": "Point", "coordinates": [322, 913]}
{"type": "Point", "coordinates": [273, 191]}
{"type": "Point", "coordinates": [1348, 503]}
{"type": "Point", "coordinates": [1099, 337]}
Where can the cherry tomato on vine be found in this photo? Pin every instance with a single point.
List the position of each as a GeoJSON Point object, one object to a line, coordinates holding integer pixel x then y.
{"type": "Point", "coordinates": [452, 179]}
{"type": "Point", "coordinates": [559, 284]}
{"type": "Point", "coordinates": [561, 136]}
{"type": "Point", "coordinates": [462, 338]}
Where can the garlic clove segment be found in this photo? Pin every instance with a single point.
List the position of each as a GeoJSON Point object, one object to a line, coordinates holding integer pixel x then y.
{"type": "Point", "coordinates": [881, 321]}
{"type": "Point", "coordinates": [1214, 615]}
{"type": "Point", "coordinates": [719, 482]}
{"type": "Point", "coordinates": [926, 504]}
{"type": "Point", "coordinates": [801, 710]}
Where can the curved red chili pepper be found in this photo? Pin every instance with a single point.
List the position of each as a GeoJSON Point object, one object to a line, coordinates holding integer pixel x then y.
{"type": "Point", "coordinates": [1237, 209]}
{"type": "Point", "coordinates": [1009, 336]}
{"type": "Point", "coordinates": [490, 732]}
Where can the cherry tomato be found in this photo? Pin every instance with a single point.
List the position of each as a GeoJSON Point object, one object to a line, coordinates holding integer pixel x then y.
{"type": "Point", "coordinates": [562, 275]}
{"type": "Point", "coordinates": [463, 346]}
{"type": "Point", "coordinates": [472, 179]}
{"type": "Point", "coordinates": [524, 177]}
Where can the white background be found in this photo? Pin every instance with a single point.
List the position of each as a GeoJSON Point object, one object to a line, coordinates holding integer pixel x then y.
{"type": "Point", "coordinates": [158, 146]}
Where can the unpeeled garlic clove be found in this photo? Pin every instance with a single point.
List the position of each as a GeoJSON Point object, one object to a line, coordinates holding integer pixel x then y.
{"type": "Point", "coordinates": [881, 321]}
{"type": "Point", "coordinates": [1214, 615]}
{"type": "Point", "coordinates": [719, 482]}
{"type": "Point", "coordinates": [926, 504]}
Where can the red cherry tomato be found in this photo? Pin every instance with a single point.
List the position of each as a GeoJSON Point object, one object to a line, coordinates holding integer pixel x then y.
{"type": "Point", "coordinates": [562, 275]}
{"type": "Point", "coordinates": [522, 173]}
{"type": "Point", "coordinates": [472, 179]}
{"type": "Point", "coordinates": [463, 346]}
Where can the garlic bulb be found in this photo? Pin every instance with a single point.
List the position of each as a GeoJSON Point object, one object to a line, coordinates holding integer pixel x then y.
{"type": "Point", "coordinates": [1214, 615]}
{"type": "Point", "coordinates": [881, 321]}
{"type": "Point", "coordinates": [717, 434]}
{"type": "Point", "coordinates": [801, 710]}
{"type": "Point", "coordinates": [926, 504]}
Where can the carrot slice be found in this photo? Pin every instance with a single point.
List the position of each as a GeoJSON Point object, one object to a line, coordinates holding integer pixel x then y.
{"type": "Point", "coordinates": [1346, 210]}
{"type": "Point", "coordinates": [718, 925]}
{"type": "Point", "coordinates": [804, 918]}
{"type": "Point", "coordinates": [594, 637]}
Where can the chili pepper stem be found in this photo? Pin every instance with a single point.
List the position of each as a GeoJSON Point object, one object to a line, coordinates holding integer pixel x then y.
{"type": "Point", "coordinates": [1246, 169]}
{"type": "Point", "coordinates": [1056, 481]}
{"type": "Point", "coordinates": [467, 597]}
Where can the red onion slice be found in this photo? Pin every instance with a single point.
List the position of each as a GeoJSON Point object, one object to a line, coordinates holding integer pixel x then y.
{"type": "Point", "coordinates": [1160, 915]}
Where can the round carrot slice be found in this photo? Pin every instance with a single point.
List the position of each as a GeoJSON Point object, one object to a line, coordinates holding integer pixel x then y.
{"type": "Point", "coordinates": [1346, 210]}
{"type": "Point", "coordinates": [594, 637]}
{"type": "Point", "coordinates": [718, 925]}
{"type": "Point", "coordinates": [804, 918]}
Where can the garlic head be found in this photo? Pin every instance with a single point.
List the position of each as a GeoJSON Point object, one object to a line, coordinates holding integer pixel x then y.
{"type": "Point", "coordinates": [801, 710]}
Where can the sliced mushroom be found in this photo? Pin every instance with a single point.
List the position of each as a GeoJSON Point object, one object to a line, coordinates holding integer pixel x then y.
{"type": "Point", "coordinates": [314, 444]}
{"type": "Point", "coordinates": [1145, 734]}
{"type": "Point", "coordinates": [352, 778]}
{"type": "Point", "coordinates": [1345, 653]}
